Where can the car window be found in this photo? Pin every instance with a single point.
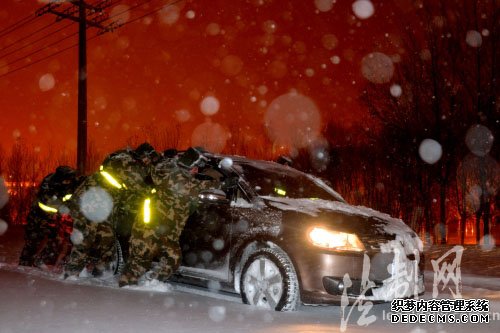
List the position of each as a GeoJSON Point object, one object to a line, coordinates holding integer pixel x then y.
{"type": "Point", "coordinates": [282, 182]}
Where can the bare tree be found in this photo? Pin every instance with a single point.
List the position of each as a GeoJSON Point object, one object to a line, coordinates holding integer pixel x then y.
{"type": "Point", "coordinates": [160, 137]}
{"type": "Point", "coordinates": [23, 170]}
{"type": "Point", "coordinates": [448, 78]}
{"type": "Point", "coordinates": [2, 160]}
{"type": "Point", "coordinates": [479, 179]}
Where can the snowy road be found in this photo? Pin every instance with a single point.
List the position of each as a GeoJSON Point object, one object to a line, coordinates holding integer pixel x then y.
{"type": "Point", "coordinates": [34, 301]}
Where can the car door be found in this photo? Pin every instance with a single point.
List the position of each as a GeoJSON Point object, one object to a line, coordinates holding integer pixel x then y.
{"type": "Point", "coordinates": [206, 242]}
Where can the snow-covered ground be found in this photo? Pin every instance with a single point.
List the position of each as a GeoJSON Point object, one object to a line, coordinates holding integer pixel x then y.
{"type": "Point", "coordinates": [32, 300]}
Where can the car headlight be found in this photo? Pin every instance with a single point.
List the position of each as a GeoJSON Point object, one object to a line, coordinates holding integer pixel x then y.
{"type": "Point", "coordinates": [335, 240]}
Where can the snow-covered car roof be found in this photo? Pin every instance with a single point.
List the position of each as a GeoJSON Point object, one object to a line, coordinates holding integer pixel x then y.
{"type": "Point", "coordinates": [273, 167]}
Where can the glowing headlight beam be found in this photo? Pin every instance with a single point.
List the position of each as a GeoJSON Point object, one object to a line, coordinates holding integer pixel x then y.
{"type": "Point", "coordinates": [110, 179]}
{"type": "Point", "coordinates": [147, 210]}
{"type": "Point", "coordinates": [46, 208]}
{"type": "Point", "coordinates": [335, 240]}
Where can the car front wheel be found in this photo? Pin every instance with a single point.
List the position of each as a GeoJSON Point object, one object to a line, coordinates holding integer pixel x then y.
{"type": "Point", "coordinates": [269, 280]}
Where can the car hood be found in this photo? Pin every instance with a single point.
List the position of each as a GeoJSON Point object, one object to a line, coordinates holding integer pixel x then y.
{"type": "Point", "coordinates": [393, 233]}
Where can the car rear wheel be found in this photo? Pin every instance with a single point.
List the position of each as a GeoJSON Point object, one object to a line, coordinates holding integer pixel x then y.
{"type": "Point", "coordinates": [118, 262]}
{"type": "Point", "coordinates": [269, 280]}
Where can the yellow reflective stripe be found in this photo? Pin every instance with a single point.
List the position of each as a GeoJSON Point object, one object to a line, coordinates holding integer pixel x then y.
{"type": "Point", "coordinates": [46, 208]}
{"type": "Point", "coordinates": [280, 191]}
{"type": "Point", "coordinates": [147, 211]}
{"type": "Point", "coordinates": [66, 197]}
{"type": "Point", "coordinates": [110, 179]}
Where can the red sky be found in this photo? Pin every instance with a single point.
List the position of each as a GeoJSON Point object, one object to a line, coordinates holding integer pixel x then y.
{"type": "Point", "coordinates": [157, 70]}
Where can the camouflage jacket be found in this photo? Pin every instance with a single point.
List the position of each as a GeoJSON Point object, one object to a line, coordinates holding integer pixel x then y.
{"type": "Point", "coordinates": [172, 180]}
{"type": "Point", "coordinates": [131, 174]}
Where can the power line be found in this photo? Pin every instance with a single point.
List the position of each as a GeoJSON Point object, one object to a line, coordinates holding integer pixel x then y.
{"type": "Point", "coordinates": [39, 39]}
{"type": "Point", "coordinates": [154, 11]}
{"type": "Point", "coordinates": [129, 10]}
{"type": "Point", "coordinates": [32, 42]}
{"type": "Point", "coordinates": [88, 39]}
{"type": "Point", "coordinates": [29, 35]}
{"type": "Point", "coordinates": [111, 3]}
{"type": "Point", "coordinates": [39, 50]}
{"type": "Point", "coordinates": [40, 60]}
{"type": "Point", "coordinates": [18, 24]}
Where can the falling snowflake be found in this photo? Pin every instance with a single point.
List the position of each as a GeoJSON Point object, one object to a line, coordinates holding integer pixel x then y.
{"type": "Point", "coordinates": [231, 65]}
{"type": "Point", "coordinates": [16, 134]}
{"type": "Point", "coordinates": [209, 106]}
{"type": "Point", "coordinates": [3, 227]}
{"type": "Point", "coordinates": [46, 82]}
{"type": "Point", "coordinates": [120, 14]}
{"type": "Point", "coordinates": [169, 14]}
{"type": "Point", "coordinates": [76, 237]}
{"type": "Point", "coordinates": [363, 9]}
{"type": "Point", "coordinates": [214, 286]}
{"type": "Point", "coordinates": [479, 140]}
{"type": "Point", "coordinates": [329, 41]}
{"type": "Point", "coordinates": [210, 135]}
{"type": "Point", "coordinates": [430, 151]}
{"type": "Point", "coordinates": [335, 60]}
{"type": "Point", "coordinates": [293, 110]}
{"type": "Point", "coordinates": [396, 90]}
{"type": "Point", "coordinates": [324, 5]}
{"type": "Point", "coordinates": [487, 242]}
{"type": "Point", "coordinates": [473, 38]}
{"type": "Point", "coordinates": [217, 313]}
{"type": "Point", "coordinates": [182, 115]}
{"type": "Point", "coordinates": [377, 67]}
{"type": "Point", "coordinates": [212, 29]}
{"type": "Point", "coordinates": [226, 163]}
{"type": "Point", "coordinates": [96, 204]}
{"type": "Point", "coordinates": [218, 244]}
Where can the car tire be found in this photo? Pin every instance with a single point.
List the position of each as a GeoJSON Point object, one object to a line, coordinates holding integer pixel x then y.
{"type": "Point", "coordinates": [269, 280]}
{"type": "Point", "coordinates": [119, 262]}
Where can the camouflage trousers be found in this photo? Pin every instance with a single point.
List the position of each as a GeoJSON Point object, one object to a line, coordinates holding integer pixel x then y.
{"type": "Point", "coordinates": [157, 240]}
{"type": "Point", "coordinates": [97, 248]}
{"type": "Point", "coordinates": [39, 242]}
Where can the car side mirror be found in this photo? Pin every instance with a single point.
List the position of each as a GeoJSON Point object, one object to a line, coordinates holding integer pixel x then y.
{"type": "Point", "coordinates": [213, 196]}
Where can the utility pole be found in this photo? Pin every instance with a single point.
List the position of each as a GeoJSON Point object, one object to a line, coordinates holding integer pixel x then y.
{"type": "Point", "coordinates": [85, 15]}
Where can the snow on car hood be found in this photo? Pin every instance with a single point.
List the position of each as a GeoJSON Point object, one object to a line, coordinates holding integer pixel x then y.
{"type": "Point", "coordinates": [314, 206]}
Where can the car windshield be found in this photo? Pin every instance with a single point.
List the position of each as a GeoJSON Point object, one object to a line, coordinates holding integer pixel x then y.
{"type": "Point", "coordinates": [269, 179]}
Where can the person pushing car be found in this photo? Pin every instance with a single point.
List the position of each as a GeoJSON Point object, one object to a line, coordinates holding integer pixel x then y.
{"type": "Point", "coordinates": [157, 229]}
